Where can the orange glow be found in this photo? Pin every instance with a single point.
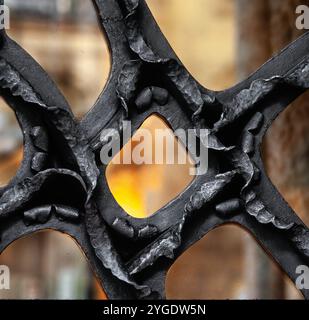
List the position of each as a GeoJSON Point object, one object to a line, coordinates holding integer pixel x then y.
{"type": "Point", "coordinates": [99, 293]}
{"type": "Point", "coordinates": [9, 166]}
{"type": "Point", "coordinates": [141, 190]}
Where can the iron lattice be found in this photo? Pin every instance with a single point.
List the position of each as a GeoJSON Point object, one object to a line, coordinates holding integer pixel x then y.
{"type": "Point", "coordinates": [61, 183]}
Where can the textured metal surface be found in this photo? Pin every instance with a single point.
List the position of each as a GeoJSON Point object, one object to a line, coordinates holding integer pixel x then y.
{"type": "Point", "coordinates": [61, 184]}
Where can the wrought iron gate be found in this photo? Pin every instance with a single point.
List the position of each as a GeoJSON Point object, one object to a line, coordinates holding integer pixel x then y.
{"type": "Point", "coordinates": [61, 183]}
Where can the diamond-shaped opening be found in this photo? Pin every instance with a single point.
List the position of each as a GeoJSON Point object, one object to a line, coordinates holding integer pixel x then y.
{"type": "Point", "coordinates": [48, 265]}
{"type": "Point", "coordinates": [211, 49]}
{"type": "Point", "coordinates": [65, 37]}
{"type": "Point", "coordinates": [142, 189]}
{"type": "Point", "coordinates": [228, 264]}
{"type": "Point", "coordinates": [285, 153]}
{"type": "Point", "coordinates": [11, 141]}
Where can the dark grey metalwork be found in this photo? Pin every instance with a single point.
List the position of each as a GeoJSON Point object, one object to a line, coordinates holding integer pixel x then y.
{"type": "Point", "coordinates": [61, 183]}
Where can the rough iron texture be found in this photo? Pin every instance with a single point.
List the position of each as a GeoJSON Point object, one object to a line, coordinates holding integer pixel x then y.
{"type": "Point", "coordinates": [128, 253]}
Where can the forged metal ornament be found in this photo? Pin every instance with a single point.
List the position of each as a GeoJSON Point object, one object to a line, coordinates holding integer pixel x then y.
{"type": "Point", "coordinates": [61, 183]}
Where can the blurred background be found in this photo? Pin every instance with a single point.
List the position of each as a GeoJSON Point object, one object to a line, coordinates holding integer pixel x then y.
{"type": "Point", "coordinates": [220, 42]}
